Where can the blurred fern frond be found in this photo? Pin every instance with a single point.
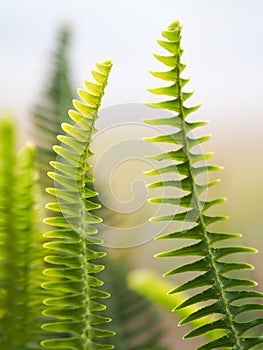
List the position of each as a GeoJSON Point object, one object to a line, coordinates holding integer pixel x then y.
{"type": "Point", "coordinates": [53, 108]}
{"type": "Point", "coordinates": [20, 245]}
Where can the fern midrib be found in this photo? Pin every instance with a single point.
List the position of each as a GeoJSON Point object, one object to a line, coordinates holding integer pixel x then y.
{"type": "Point", "coordinates": [198, 204]}
{"type": "Point", "coordinates": [83, 184]}
{"type": "Point", "coordinates": [84, 246]}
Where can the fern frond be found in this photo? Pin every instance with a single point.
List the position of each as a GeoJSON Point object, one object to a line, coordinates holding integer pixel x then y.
{"type": "Point", "coordinates": [74, 309]}
{"type": "Point", "coordinates": [51, 111]}
{"type": "Point", "coordinates": [20, 245]}
{"type": "Point", "coordinates": [223, 291]}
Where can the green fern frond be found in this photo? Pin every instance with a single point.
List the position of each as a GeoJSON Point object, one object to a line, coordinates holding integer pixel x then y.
{"type": "Point", "coordinates": [222, 290]}
{"type": "Point", "coordinates": [74, 309]}
{"type": "Point", "coordinates": [20, 245]}
{"type": "Point", "coordinates": [52, 109]}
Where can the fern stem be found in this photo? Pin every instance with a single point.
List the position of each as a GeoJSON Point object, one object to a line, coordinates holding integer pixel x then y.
{"type": "Point", "coordinates": [83, 160]}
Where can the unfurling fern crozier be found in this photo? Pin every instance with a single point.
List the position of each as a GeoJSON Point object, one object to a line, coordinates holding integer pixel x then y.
{"type": "Point", "coordinates": [225, 293]}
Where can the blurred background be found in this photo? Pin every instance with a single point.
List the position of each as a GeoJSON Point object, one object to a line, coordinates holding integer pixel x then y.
{"type": "Point", "coordinates": [224, 53]}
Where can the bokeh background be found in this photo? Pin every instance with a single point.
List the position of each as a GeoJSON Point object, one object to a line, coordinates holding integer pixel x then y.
{"type": "Point", "coordinates": [224, 52]}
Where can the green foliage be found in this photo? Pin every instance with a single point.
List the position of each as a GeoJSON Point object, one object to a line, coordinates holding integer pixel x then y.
{"type": "Point", "coordinates": [149, 284]}
{"type": "Point", "coordinates": [224, 295]}
{"type": "Point", "coordinates": [74, 308]}
{"type": "Point", "coordinates": [20, 245]}
{"type": "Point", "coordinates": [55, 104]}
{"type": "Point", "coordinates": [134, 318]}
{"type": "Point", "coordinates": [73, 314]}
{"type": "Point", "coordinates": [52, 110]}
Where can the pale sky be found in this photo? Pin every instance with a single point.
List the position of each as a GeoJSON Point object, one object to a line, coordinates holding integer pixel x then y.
{"type": "Point", "coordinates": [222, 40]}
